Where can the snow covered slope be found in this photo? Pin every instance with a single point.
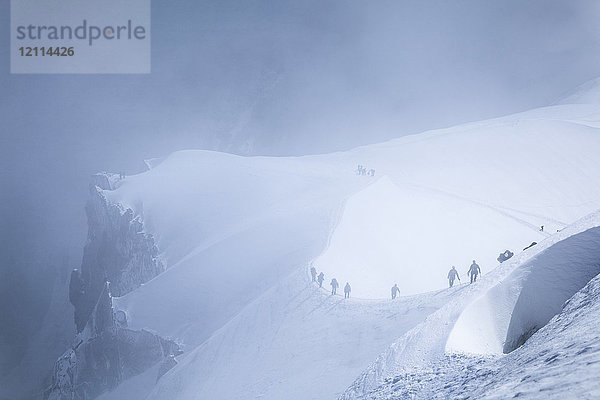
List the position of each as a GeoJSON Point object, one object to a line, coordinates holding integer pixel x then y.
{"type": "Point", "coordinates": [507, 305]}
{"type": "Point", "coordinates": [561, 360]}
{"type": "Point", "coordinates": [396, 233]}
{"type": "Point", "coordinates": [586, 93]}
{"type": "Point", "coordinates": [229, 227]}
{"type": "Point", "coordinates": [295, 342]}
{"type": "Point", "coordinates": [238, 235]}
{"type": "Point", "coordinates": [528, 298]}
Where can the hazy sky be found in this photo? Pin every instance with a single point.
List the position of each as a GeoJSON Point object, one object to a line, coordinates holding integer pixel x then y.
{"type": "Point", "coordinates": [274, 77]}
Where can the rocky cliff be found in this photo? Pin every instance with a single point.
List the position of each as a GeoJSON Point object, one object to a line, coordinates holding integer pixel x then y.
{"type": "Point", "coordinates": [118, 257]}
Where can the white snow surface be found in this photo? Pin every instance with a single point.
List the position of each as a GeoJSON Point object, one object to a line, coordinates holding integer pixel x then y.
{"type": "Point", "coordinates": [295, 342]}
{"type": "Point", "coordinates": [528, 298]}
{"type": "Point", "coordinates": [586, 93]}
{"type": "Point", "coordinates": [238, 235]}
{"type": "Point", "coordinates": [560, 361]}
{"type": "Point", "coordinates": [454, 329]}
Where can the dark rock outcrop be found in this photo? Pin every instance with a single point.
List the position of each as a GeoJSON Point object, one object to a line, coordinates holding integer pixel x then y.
{"type": "Point", "coordinates": [118, 257]}
{"type": "Point", "coordinates": [104, 354]}
{"type": "Point", "coordinates": [117, 250]}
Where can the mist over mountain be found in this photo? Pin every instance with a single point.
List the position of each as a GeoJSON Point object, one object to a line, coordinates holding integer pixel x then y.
{"type": "Point", "coordinates": [259, 78]}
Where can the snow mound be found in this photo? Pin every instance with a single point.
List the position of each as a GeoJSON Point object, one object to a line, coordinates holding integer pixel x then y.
{"type": "Point", "coordinates": [560, 361]}
{"type": "Point", "coordinates": [509, 313]}
{"type": "Point", "coordinates": [479, 334]}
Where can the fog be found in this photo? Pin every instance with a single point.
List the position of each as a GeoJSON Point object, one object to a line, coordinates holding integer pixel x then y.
{"type": "Point", "coordinates": [269, 77]}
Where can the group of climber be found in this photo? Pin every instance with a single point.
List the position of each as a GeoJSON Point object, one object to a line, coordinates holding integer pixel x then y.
{"type": "Point", "coordinates": [473, 272]}
{"type": "Point", "coordinates": [362, 170]}
{"type": "Point", "coordinates": [334, 283]}
{"type": "Point", "coordinates": [474, 269]}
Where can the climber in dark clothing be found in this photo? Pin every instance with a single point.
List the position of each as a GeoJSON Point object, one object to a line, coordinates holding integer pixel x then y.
{"type": "Point", "coordinates": [313, 273]}
{"type": "Point", "coordinates": [395, 291]}
{"type": "Point", "coordinates": [474, 270]}
{"type": "Point", "coordinates": [320, 279]}
{"type": "Point", "coordinates": [347, 290]}
{"type": "Point", "coordinates": [452, 275]}
{"type": "Point", "coordinates": [334, 285]}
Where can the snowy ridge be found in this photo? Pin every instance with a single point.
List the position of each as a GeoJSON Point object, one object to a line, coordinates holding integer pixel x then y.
{"type": "Point", "coordinates": [454, 328]}
{"type": "Point", "coordinates": [559, 361]}
{"type": "Point", "coordinates": [502, 319]}
{"type": "Point", "coordinates": [238, 234]}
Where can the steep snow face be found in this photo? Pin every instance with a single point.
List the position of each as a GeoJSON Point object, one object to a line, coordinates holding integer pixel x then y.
{"type": "Point", "coordinates": [561, 360]}
{"type": "Point", "coordinates": [503, 318]}
{"type": "Point", "coordinates": [556, 275]}
{"type": "Point", "coordinates": [468, 323]}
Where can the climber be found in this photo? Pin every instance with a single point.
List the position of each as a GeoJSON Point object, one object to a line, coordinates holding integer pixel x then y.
{"type": "Point", "coordinates": [347, 290]}
{"type": "Point", "coordinates": [474, 270]}
{"type": "Point", "coordinates": [452, 275]}
{"type": "Point", "coordinates": [334, 285]}
{"type": "Point", "coordinates": [395, 291]}
{"type": "Point", "coordinates": [313, 273]}
{"type": "Point", "coordinates": [320, 279]}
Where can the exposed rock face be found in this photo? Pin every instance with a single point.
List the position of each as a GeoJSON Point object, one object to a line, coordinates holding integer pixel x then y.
{"type": "Point", "coordinates": [105, 354]}
{"type": "Point", "coordinates": [117, 250]}
{"type": "Point", "coordinates": [118, 257]}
